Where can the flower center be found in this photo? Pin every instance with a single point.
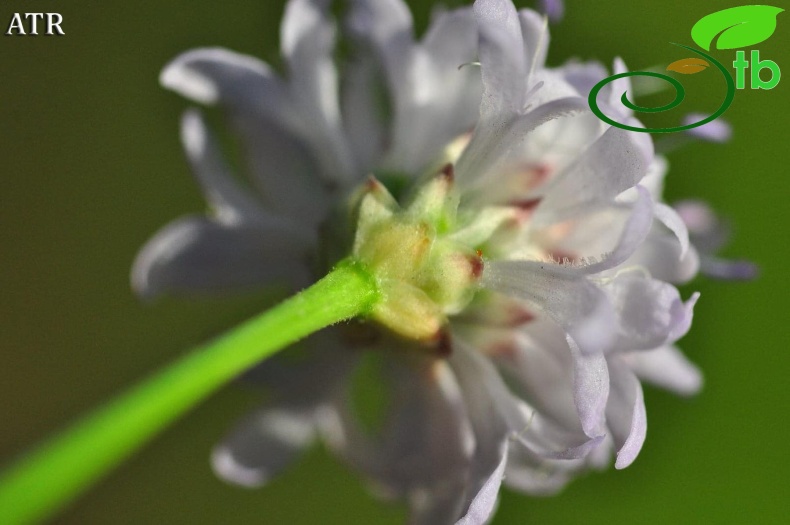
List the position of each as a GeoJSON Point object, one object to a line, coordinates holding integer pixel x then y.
{"type": "Point", "coordinates": [425, 272]}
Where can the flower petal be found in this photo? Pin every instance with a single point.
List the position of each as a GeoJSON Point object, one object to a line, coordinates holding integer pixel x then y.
{"type": "Point", "coordinates": [583, 76]}
{"type": "Point", "coordinates": [365, 122]}
{"type": "Point", "coordinates": [383, 22]}
{"type": "Point", "coordinates": [718, 130]}
{"type": "Point", "coordinates": [487, 393]}
{"type": "Point", "coordinates": [308, 39]}
{"type": "Point", "coordinates": [231, 203]}
{"type": "Point", "coordinates": [308, 373]}
{"type": "Point", "coordinates": [215, 75]}
{"type": "Point", "coordinates": [452, 38]}
{"type": "Point", "coordinates": [670, 218]}
{"type": "Point", "coordinates": [496, 146]}
{"type": "Point", "coordinates": [195, 255]}
{"type": "Point", "coordinates": [424, 450]}
{"type": "Point", "coordinates": [625, 414]}
{"type": "Point", "coordinates": [501, 52]}
{"type": "Point", "coordinates": [554, 9]}
{"type": "Point", "coordinates": [535, 30]}
{"type": "Point", "coordinates": [614, 163]}
{"type": "Point", "coordinates": [590, 388]}
{"type": "Point", "coordinates": [708, 233]}
{"type": "Point", "coordinates": [539, 368]}
{"type": "Point", "coordinates": [536, 476]}
{"type": "Point", "coordinates": [613, 91]}
{"type": "Point", "coordinates": [485, 501]}
{"type": "Point", "coordinates": [572, 301]}
{"type": "Point", "coordinates": [262, 445]}
{"type": "Point", "coordinates": [263, 112]}
{"type": "Point", "coordinates": [435, 100]}
{"type": "Point", "coordinates": [633, 234]}
{"type": "Point", "coordinates": [660, 256]}
{"type": "Point", "coordinates": [729, 270]}
{"type": "Point", "coordinates": [490, 429]}
{"type": "Point", "coordinates": [667, 368]}
{"type": "Point", "coordinates": [650, 312]}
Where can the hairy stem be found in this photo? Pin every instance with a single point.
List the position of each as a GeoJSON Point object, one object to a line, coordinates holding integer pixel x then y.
{"type": "Point", "coordinates": [44, 480]}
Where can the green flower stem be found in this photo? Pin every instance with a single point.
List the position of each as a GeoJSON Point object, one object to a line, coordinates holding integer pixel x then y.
{"type": "Point", "coordinates": [41, 482]}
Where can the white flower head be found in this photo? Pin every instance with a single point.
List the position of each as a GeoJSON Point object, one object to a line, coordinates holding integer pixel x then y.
{"type": "Point", "coordinates": [520, 243]}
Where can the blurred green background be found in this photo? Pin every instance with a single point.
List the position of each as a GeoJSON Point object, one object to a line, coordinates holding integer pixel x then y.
{"type": "Point", "coordinates": [91, 166]}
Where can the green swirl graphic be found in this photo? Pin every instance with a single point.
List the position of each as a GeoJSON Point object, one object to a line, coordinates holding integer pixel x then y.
{"type": "Point", "coordinates": [680, 93]}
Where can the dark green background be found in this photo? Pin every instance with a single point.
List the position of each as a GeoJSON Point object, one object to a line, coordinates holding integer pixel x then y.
{"type": "Point", "coordinates": [90, 166]}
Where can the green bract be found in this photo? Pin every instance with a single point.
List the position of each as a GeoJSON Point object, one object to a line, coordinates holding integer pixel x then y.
{"type": "Point", "coordinates": [424, 272]}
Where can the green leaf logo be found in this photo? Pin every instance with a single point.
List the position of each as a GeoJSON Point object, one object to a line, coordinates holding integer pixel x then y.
{"type": "Point", "coordinates": [688, 66]}
{"type": "Point", "coordinates": [738, 27]}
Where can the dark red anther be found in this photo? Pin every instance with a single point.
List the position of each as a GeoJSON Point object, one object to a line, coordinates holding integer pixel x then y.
{"type": "Point", "coordinates": [444, 343]}
{"type": "Point", "coordinates": [520, 316]}
{"type": "Point", "coordinates": [477, 264]}
{"type": "Point", "coordinates": [372, 184]}
{"type": "Point", "coordinates": [448, 172]}
{"type": "Point", "coordinates": [526, 204]}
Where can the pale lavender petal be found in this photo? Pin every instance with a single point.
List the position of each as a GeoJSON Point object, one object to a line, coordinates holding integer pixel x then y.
{"type": "Point", "coordinates": [625, 414]}
{"type": "Point", "coordinates": [308, 39]}
{"type": "Point", "coordinates": [650, 312]}
{"type": "Point", "coordinates": [683, 319]}
{"type": "Point", "coordinates": [590, 388]}
{"type": "Point", "coordinates": [219, 76]}
{"type": "Point", "coordinates": [699, 218]}
{"type": "Point", "coordinates": [529, 474]}
{"type": "Point", "coordinates": [301, 18]}
{"type": "Point", "coordinates": [614, 91]}
{"type": "Point", "coordinates": [536, 39]}
{"type": "Point", "coordinates": [501, 52]}
{"type": "Point", "coordinates": [437, 506]}
{"type": "Point", "coordinates": [614, 163]}
{"type": "Point", "coordinates": [485, 501]}
{"type": "Point", "coordinates": [718, 130]}
{"type": "Point", "coordinates": [195, 255]}
{"type": "Point", "coordinates": [672, 220]}
{"type": "Point", "coordinates": [386, 25]}
{"type": "Point", "coordinates": [231, 203]}
{"type": "Point", "coordinates": [227, 198]}
{"type": "Point", "coordinates": [487, 417]}
{"type": "Point", "coordinates": [667, 368]}
{"type": "Point", "coordinates": [285, 170]}
{"type": "Point", "coordinates": [380, 20]}
{"type": "Point", "coordinates": [263, 113]}
{"type": "Point", "coordinates": [262, 445]}
{"type": "Point", "coordinates": [539, 368]}
{"type": "Point", "coordinates": [728, 270]}
{"type": "Point", "coordinates": [583, 76]}
{"type": "Point", "coordinates": [654, 180]}
{"type": "Point", "coordinates": [575, 303]}
{"type": "Point", "coordinates": [424, 450]}
{"type": "Point", "coordinates": [487, 393]}
{"type": "Point", "coordinates": [634, 233]}
{"type": "Point", "coordinates": [495, 145]}
{"type": "Point", "coordinates": [554, 9]}
{"type": "Point", "coordinates": [660, 256]}
{"type": "Point", "coordinates": [708, 234]}
{"type": "Point", "coordinates": [430, 438]}
{"type": "Point", "coordinates": [306, 374]}
{"type": "Point", "coordinates": [451, 38]}
{"type": "Point", "coordinates": [434, 100]}
{"type": "Point", "coordinates": [364, 120]}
